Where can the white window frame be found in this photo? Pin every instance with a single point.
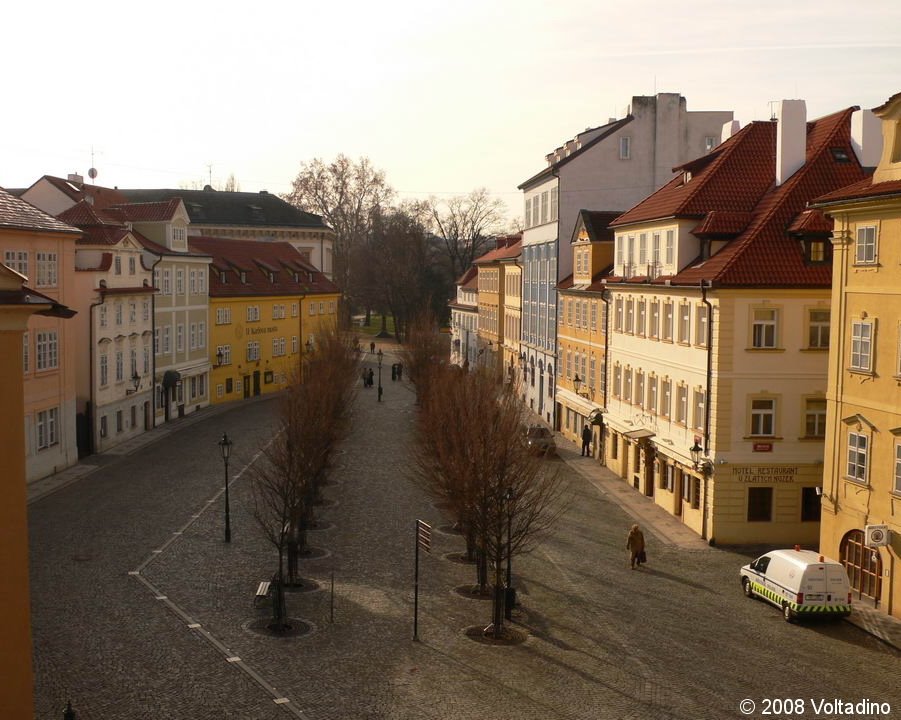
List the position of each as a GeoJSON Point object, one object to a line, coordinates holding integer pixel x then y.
{"type": "Point", "coordinates": [46, 350]}
{"type": "Point", "coordinates": [47, 428]}
{"type": "Point", "coordinates": [862, 338]}
{"type": "Point", "coordinates": [763, 417]}
{"type": "Point", "coordinates": [48, 269]}
{"type": "Point", "coordinates": [625, 147]}
{"type": "Point", "coordinates": [764, 328]}
{"type": "Point", "coordinates": [858, 455]}
{"type": "Point", "coordinates": [865, 250]}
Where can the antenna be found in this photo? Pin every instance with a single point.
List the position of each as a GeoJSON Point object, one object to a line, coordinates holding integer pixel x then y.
{"type": "Point", "coordinates": [210, 168]}
{"type": "Point", "coordinates": [772, 104]}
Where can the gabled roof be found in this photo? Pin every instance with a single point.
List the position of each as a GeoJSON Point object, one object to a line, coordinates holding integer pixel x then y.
{"type": "Point", "coordinates": [606, 131]}
{"type": "Point", "coordinates": [17, 214]}
{"type": "Point", "coordinates": [214, 207]}
{"type": "Point", "coordinates": [77, 190]}
{"type": "Point", "coordinates": [811, 222]}
{"type": "Point", "coordinates": [597, 224]}
{"type": "Point", "coordinates": [248, 255]}
{"type": "Point", "coordinates": [740, 178]}
{"type": "Point", "coordinates": [470, 273]}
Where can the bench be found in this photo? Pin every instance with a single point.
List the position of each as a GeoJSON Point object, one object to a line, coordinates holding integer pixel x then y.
{"type": "Point", "coordinates": [263, 590]}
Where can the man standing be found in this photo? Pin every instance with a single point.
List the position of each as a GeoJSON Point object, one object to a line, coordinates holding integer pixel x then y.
{"type": "Point", "coordinates": [586, 441]}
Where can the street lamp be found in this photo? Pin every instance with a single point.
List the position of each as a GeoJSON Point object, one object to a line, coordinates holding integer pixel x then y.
{"type": "Point", "coordinates": [309, 345]}
{"type": "Point", "coordinates": [225, 445]}
{"type": "Point", "coordinates": [136, 381]}
{"type": "Point", "coordinates": [696, 451]}
{"type": "Point", "coordinates": [379, 356]}
{"type": "Point", "coordinates": [577, 383]}
{"type": "Point", "coordinates": [220, 356]}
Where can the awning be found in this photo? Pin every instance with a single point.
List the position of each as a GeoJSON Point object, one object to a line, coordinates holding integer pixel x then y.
{"type": "Point", "coordinates": [639, 434]}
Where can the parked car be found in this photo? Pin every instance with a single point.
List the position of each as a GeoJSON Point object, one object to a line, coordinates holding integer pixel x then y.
{"type": "Point", "coordinates": [540, 440]}
{"type": "Point", "coordinates": [802, 583]}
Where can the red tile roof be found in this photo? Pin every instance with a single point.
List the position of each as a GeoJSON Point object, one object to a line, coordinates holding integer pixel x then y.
{"type": "Point", "coordinates": [470, 273]}
{"type": "Point", "coordinates": [149, 211]}
{"type": "Point", "coordinates": [811, 222]}
{"type": "Point", "coordinates": [501, 253]}
{"type": "Point", "coordinates": [256, 258]}
{"type": "Point", "coordinates": [859, 191]}
{"type": "Point", "coordinates": [739, 177]}
{"type": "Point", "coordinates": [722, 223]}
{"type": "Point", "coordinates": [17, 214]}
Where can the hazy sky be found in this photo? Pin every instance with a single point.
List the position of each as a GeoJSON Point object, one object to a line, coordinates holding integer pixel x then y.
{"type": "Point", "coordinates": [443, 97]}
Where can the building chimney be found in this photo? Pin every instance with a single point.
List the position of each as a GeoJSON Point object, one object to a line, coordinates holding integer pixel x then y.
{"type": "Point", "coordinates": [791, 138]}
{"type": "Point", "coordinates": [729, 129]}
{"type": "Point", "coordinates": [866, 137]}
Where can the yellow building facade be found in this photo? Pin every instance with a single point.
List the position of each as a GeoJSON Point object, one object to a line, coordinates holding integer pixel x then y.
{"type": "Point", "coordinates": [267, 307]}
{"type": "Point", "coordinates": [862, 469]}
{"type": "Point", "coordinates": [581, 331]}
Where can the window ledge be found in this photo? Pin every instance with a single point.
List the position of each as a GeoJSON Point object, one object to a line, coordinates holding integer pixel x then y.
{"type": "Point", "coordinates": [763, 438]}
{"type": "Point", "coordinates": [815, 350]}
{"type": "Point", "coordinates": [859, 371]}
{"type": "Point", "coordinates": [812, 438]}
{"type": "Point", "coordinates": [764, 350]}
{"type": "Point", "coordinates": [866, 265]}
{"type": "Point", "coordinates": [862, 484]}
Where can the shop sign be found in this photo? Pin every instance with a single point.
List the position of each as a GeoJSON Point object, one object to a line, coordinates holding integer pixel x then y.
{"type": "Point", "coordinates": [763, 447]}
{"type": "Point", "coordinates": [765, 473]}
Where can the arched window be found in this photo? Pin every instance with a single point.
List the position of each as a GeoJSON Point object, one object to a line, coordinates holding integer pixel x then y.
{"type": "Point", "coordinates": [863, 564]}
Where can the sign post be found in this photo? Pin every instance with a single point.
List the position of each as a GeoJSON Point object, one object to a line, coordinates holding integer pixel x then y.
{"type": "Point", "coordinates": [424, 540]}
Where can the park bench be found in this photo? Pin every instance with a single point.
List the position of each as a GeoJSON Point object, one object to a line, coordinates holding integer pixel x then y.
{"type": "Point", "coordinates": [263, 590]}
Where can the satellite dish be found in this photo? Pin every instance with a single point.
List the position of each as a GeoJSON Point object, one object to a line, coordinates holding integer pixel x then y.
{"type": "Point", "coordinates": [92, 173]}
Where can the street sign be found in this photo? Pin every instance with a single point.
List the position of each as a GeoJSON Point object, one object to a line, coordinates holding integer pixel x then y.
{"type": "Point", "coordinates": [424, 535]}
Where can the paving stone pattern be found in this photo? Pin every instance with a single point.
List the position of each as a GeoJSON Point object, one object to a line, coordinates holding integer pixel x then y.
{"type": "Point", "coordinates": [675, 639]}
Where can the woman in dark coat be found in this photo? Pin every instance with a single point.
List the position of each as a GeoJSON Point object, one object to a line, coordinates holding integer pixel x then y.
{"type": "Point", "coordinates": [635, 544]}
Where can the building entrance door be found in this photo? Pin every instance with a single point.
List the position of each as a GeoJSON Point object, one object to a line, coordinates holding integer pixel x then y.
{"type": "Point", "coordinates": [246, 386]}
{"type": "Point", "coordinates": [256, 382]}
{"type": "Point", "coordinates": [863, 564]}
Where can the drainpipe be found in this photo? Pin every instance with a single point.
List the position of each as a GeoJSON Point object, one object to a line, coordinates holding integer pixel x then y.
{"type": "Point", "coordinates": [605, 298]}
{"type": "Point", "coordinates": [705, 472]}
{"type": "Point", "coordinates": [159, 259]}
{"type": "Point", "coordinates": [92, 416]}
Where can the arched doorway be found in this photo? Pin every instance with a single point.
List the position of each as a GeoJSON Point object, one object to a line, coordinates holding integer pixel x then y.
{"type": "Point", "coordinates": [863, 564]}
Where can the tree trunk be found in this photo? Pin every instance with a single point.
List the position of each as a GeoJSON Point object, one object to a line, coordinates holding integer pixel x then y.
{"type": "Point", "coordinates": [482, 571]}
{"type": "Point", "coordinates": [279, 613]}
{"type": "Point", "coordinates": [499, 599]}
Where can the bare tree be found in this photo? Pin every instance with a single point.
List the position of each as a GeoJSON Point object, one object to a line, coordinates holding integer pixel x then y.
{"type": "Point", "coordinates": [312, 421]}
{"type": "Point", "coordinates": [232, 184]}
{"type": "Point", "coordinates": [464, 223]}
{"type": "Point", "coordinates": [425, 350]}
{"type": "Point", "coordinates": [473, 456]}
{"type": "Point", "coordinates": [346, 194]}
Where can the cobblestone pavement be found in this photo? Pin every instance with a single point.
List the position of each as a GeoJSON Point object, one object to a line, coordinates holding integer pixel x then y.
{"type": "Point", "coordinates": [676, 639]}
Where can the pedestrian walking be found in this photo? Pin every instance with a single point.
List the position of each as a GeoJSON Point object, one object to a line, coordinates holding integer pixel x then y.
{"type": "Point", "coordinates": [372, 347]}
{"type": "Point", "coordinates": [365, 378]}
{"type": "Point", "coordinates": [635, 545]}
{"type": "Point", "coordinates": [371, 374]}
{"type": "Point", "coordinates": [394, 372]}
{"type": "Point", "coordinates": [586, 441]}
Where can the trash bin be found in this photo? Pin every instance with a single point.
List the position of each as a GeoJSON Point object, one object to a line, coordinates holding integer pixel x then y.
{"type": "Point", "coordinates": [509, 601]}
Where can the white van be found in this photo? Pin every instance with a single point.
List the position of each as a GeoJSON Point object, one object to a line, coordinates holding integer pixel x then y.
{"type": "Point", "coordinates": [800, 582]}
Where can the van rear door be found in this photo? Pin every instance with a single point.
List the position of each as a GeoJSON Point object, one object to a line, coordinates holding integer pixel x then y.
{"type": "Point", "coordinates": [837, 586]}
{"type": "Point", "coordinates": [814, 585]}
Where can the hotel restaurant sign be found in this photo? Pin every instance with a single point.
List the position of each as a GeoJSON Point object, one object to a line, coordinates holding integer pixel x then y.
{"type": "Point", "coordinates": [766, 474]}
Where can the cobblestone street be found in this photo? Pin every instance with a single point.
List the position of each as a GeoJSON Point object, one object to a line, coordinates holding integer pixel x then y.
{"type": "Point", "coordinates": [140, 610]}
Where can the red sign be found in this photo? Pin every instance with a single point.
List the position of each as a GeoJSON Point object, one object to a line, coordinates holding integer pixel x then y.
{"type": "Point", "coordinates": [763, 447]}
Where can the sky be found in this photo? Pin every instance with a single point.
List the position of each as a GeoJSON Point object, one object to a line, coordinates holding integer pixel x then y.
{"type": "Point", "coordinates": [443, 97]}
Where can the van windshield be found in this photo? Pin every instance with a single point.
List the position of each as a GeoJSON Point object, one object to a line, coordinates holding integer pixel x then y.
{"type": "Point", "coordinates": [760, 564]}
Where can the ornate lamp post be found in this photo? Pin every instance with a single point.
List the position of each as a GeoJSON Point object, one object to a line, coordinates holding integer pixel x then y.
{"type": "Point", "coordinates": [696, 451]}
{"type": "Point", "coordinates": [510, 594]}
{"type": "Point", "coordinates": [379, 356]}
{"type": "Point", "coordinates": [225, 445]}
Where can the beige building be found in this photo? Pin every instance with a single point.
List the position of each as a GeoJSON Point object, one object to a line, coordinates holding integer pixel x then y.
{"type": "Point", "coordinates": [720, 329]}
{"type": "Point", "coordinates": [181, 358]}
{"type": "Point", "coordinates": [465, 319]}
{"type": "Point", "coordinates": [491, 302]}
{"type": "Point", "coordinates": [114, 299]}
{"type": "Point", "coordinates": [862, 469]}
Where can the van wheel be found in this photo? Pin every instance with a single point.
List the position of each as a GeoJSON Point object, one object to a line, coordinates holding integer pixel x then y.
{"type": "Point", "coordinates": [788, 613]}
{"type": "Point", "coordinates": [746, 586]}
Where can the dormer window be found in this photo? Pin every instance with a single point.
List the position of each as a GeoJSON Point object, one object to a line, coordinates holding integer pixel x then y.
{"type": "Point", "coordinates": [272, 277]}
{"type": "Point", "coordinates": [686, 177]}
{"type": "Point", "coordinates": [817, 251]}
{"type": "Point", "coordinates": [296, 277]}
{"type": "Point", "coordinates": [244, 276]}
{"type": "Point", "coordinates": [840, 155]}
{"type": "Point", "coordinates": [223, 276]}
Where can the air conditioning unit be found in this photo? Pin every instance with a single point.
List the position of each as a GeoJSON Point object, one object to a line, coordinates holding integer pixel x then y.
{"type": "Point", "coordinates": [877, 535]}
